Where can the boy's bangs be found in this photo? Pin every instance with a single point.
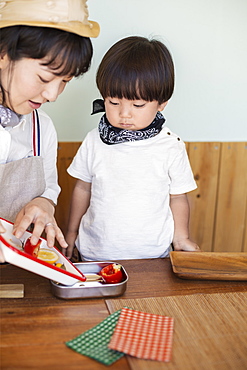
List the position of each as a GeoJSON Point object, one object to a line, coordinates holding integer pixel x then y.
{"type": "Point", "coordinates": [122, 89]}
{"type": "Point", "coordinates": [128, 86]}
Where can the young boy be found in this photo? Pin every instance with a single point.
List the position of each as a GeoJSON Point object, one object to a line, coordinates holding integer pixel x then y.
{"type": "Point", "coordinates": [133, 173]}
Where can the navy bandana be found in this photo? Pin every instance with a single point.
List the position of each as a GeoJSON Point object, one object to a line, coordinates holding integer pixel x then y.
{"type": "Point", "coordinates": [112, 135]}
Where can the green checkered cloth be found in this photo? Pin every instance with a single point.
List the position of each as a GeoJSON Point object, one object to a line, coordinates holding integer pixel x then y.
{"type": "Point", "coordinates": [94, 342]}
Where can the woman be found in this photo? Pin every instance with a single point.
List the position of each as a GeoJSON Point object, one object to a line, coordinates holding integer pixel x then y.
{"type": "Point", "coordinates": [43, 45]}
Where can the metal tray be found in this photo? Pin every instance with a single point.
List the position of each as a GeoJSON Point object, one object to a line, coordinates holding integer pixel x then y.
{"type": "Point", "coordinates": [95, 289]}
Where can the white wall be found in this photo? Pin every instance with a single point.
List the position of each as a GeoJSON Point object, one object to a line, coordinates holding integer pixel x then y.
{"type": "Point", "coordinates": [208, 41]}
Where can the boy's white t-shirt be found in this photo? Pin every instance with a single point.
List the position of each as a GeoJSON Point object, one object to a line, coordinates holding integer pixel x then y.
{"type": "Point", "coordinates": [129, 215]}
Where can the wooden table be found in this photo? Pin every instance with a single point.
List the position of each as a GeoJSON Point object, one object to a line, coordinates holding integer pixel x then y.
{"type": "Point", "coordinates": [34, 328]}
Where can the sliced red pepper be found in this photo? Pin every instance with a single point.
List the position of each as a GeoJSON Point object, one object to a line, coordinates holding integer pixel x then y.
{"type": "Point", "coordinates": [31, 249]}
{"type": "Point", "coordinates": [112, 274]}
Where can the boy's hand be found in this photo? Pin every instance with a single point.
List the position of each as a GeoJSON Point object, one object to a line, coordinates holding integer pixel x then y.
{"type": "Point", "coordinates": [70, 239]}
{"type": "Point", "coordinates": [186, 245]}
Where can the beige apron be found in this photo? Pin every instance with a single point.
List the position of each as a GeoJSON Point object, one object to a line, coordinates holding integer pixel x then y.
{"type": "Point", "coordinates": [21, 180]}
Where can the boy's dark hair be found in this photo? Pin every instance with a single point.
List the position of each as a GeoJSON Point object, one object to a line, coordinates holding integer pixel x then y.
{"type": "Point", "coordinates": [137, 68]}
{"type": "Point", "coordinates": [68, 52]}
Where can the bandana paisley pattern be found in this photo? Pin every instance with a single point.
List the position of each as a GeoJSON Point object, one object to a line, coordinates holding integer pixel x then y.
{"type": "Point", "coordinates": [112, 135]}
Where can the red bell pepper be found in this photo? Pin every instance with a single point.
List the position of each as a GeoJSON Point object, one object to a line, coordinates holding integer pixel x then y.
{"type": "Point", "coordinates": [112, 274]}
{"type": "Point", "coordinates": [31, 249]}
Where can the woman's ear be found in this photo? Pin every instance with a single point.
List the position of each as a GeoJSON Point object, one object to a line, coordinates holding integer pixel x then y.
{"type": "Point", "coordinates": [4, 60]}
{"type": "Point", "coordinates": [162, 106]}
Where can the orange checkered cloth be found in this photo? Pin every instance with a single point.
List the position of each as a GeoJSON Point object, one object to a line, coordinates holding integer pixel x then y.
{"type": "Point", "coordinates": [143, 335]}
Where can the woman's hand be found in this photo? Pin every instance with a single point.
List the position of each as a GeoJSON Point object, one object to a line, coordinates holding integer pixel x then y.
{"type": "Point", "coordinates": [40, 213]}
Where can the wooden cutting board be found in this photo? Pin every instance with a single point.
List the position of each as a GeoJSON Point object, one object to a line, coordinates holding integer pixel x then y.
{"type": "Point", "coordinates": [209, 265]}
{"type": "Point", "coordinates": [210, 330]}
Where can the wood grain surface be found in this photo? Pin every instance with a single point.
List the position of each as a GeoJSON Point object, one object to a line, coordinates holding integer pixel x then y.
{"type": "Point", "coordinates": [210, 330]}
{"type": "Point", "coordinates": [34, 329]}
{"type": "Point", "coordinates": [209, 265]}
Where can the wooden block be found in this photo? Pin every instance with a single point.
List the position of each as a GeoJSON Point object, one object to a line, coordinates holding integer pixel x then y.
{"type": "Point", "coordinates": [11, 290]}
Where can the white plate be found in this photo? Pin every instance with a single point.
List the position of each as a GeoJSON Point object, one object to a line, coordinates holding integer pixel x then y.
{"type": "Point", "coordinates": [13, 253]}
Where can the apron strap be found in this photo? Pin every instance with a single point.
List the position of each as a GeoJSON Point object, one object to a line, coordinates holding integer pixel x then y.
{"type": "Point", "coordinates": [36, 134]}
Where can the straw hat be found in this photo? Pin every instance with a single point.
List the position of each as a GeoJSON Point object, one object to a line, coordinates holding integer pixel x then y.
{"type": "Point", "coordinates": [67, 15]}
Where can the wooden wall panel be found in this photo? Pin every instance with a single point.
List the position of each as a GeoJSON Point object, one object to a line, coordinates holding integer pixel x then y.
{"type": "Point", "coordinates": [245, 230]}
{"type": "Point", "coordinates": [219, 205]}
{"type": "Point", "coordinates": [66, 152]}
{"type": "Point", "coordinates": [204, 158]}
{"type": "Point", "coordinates": [230, 223]}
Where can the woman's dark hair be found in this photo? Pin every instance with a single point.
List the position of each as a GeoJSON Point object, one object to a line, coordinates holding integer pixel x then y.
{"type": "Point", "coordinates": [137, 68]}
{"type": "Point", "coordinates": [67, 53]}
{"type": "Point", "coordinates": [64, 49]}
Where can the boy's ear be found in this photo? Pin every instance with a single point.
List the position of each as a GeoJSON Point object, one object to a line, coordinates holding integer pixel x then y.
{"type": "Point", "coordinates": [162, 106]}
